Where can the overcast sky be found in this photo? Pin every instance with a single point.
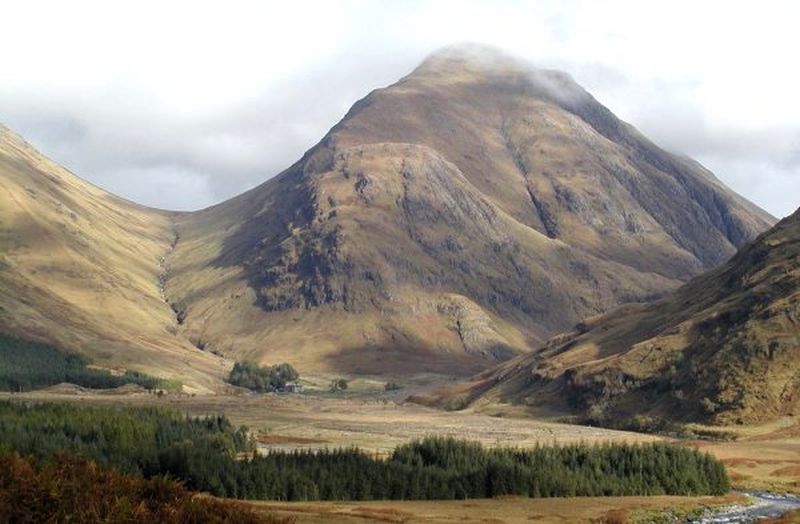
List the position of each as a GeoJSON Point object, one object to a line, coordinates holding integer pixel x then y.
{"type": "Point", "coordinates": [181, 105]}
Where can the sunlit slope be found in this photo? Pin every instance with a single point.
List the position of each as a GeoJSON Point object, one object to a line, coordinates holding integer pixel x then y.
{"type": "Point", "coordinates": [80, 268]}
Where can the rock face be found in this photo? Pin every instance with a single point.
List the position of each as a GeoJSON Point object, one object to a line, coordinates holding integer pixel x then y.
{"type": "Point", "coordinates": [457, 217]}
{"type": "Point", "coordinates": [724, 348]}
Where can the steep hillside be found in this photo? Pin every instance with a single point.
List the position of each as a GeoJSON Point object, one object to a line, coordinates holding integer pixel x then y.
{"type": "Point", "coordinates": [81, 269]}
{"type": "Point", "coordinates": [724, 348]}
{"type": "Point", "coordinates": [455, 218]}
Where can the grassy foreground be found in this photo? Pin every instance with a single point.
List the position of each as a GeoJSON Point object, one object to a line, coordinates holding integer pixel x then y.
{"type": "Point", "coordinates": [71, 489]}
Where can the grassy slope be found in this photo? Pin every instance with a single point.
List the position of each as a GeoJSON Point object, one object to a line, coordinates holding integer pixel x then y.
{"type": "Point", "coordinates": [723, 348]}
{"type": "Point", "coordinates": [80, 268]}
{"type": "Point", "coordinates": [763, 456]}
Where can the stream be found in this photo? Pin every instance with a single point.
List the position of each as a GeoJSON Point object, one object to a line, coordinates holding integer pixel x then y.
{"type": "Point", "coordinates": [766, 505]}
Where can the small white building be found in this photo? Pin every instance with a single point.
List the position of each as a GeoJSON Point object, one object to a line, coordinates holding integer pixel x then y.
{"type": "Point", "coordinates": [293, 387]}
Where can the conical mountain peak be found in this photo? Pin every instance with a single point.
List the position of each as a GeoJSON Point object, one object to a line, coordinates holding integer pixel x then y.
{"type": "Point", "coordinates": [455, 218]}
{"type": "Point", "coordinates": [471, 57]}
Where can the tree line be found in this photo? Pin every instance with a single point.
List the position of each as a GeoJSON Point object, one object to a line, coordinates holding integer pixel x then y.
{"type": "Point", "coordinates": [136, 440]}
{"type": "Point", "coordinates": [28, 365]}
{"type": "Point", "coordinates": [209, 454]}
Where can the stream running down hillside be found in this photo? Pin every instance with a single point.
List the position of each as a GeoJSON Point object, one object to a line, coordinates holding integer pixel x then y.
{"type": "Point", "coordinates": [766, 505]}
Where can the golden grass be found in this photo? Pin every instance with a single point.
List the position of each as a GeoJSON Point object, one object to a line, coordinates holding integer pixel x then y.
{"type": "Point", "coordinates": [375, 424]}
{"type": "Point", "coordinates": [504, 510]}
{"type": "Point", "coordinates": [268, 439]}
{"type": "Point", "coordinates": [764, 457]}
{"type": "Point", "coordinates": [80, 268]}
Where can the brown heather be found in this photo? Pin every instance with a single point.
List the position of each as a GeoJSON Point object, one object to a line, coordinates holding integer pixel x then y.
{"type": "Point", "coordinates": [72, 489]}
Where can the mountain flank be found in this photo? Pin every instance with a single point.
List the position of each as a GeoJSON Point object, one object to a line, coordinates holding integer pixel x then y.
{"type": "Point", "coordinates": [456, 218]}
{"type": "Point", "coordinates": [724, 348]}
{"type": "Point", "coordinates": [80, 268]}
{"type": "Point", "coordinates": [450, 221]}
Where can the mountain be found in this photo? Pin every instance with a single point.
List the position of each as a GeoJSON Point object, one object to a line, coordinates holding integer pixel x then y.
{"type": "Point", "coordinates": [80, 268]}
{"type": "Point", "coordinates": [452, 220]}
{"type": "Point", "coordinates": [724, 348]}
{"type": "Point", "coordinates": [460, 216]}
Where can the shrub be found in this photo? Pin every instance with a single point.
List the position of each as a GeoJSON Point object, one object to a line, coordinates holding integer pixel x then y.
{"type": "Point", "coordinates": [339, 384]}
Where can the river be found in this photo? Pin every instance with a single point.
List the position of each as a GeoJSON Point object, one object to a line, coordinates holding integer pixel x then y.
{"type": "Point", "coordinates": [766, 505]}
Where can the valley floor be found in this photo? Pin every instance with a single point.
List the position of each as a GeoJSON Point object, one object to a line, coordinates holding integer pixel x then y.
{"type": "Point", "coordinates": [766, 458]}
{"type": "Point", "coordinates": [761, 458]}
{"type": "Point", "coordinates": [374, 424]}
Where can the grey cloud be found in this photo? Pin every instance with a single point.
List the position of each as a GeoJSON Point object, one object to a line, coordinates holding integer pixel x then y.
{"type": "Point", "coordinates": [792, 160]}
{"type": "Point", "coordinates": [127, 143]}
{"type": "Point", "coordinates": [110, 120]}
{"type": "Point", "coordinates": [163, 159]}
{"type": "Point", "coordinates": [766, 183]}
{"type": "Point", "coordinates": [163, 186]}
